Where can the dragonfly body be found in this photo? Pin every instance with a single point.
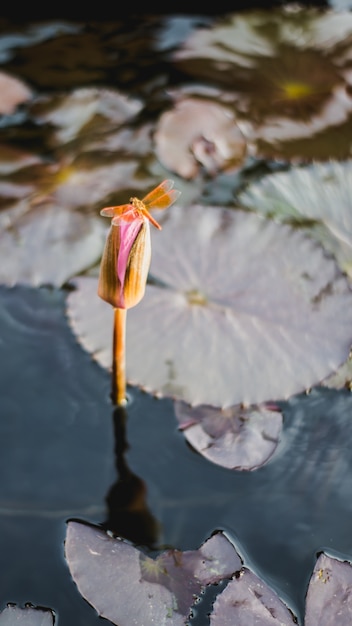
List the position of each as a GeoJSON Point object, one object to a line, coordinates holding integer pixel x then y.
{"type": "Point", "coordinates": [161, 197]}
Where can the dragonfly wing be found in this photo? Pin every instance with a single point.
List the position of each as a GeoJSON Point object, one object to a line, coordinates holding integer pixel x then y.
{"type": "Point", "coordinates": [164, 201]}
{"type": "Point", "coordinates": [131, 215]}
{"type": "Point", "coordinates": [160, 190]}
{"type": "Point", "coordinates": [111, 211]}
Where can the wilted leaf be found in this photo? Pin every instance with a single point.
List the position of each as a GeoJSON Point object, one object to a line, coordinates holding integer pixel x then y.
{"type": "Point", "coordinates": [248, 600]}
{"type": "Point", "coordinates": [29, 616]}
{"type": "Point", "coordinates": [329, 596]}
{"type": "Point", "coordinates": [126, 586]}
{"type": "Point", "coordinates": [236, 438]}
{"type": "Point", "coordinates": [248, 311]}
{"type": "Point", "coordinates": [199, 133]}
{"type": "Point", "coordinates": [320, 193]}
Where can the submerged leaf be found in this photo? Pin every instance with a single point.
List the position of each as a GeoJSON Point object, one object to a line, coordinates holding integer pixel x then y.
{"type": "Point", "coordinates": [244, 310]}
{"type": "Point", "coordinates": [329, 596]}
{"type": "Point", "coordinates": [126, 586]}
{"type": "Point", "coordinates": [236, 438]}
{"type": "Point", "coordinates": [248, 600]}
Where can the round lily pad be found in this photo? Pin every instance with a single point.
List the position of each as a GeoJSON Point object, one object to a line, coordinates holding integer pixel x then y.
{"type": "Point", "coordinates": [318, 195]}
{"type": "Point", "coordinates": [243, 310]}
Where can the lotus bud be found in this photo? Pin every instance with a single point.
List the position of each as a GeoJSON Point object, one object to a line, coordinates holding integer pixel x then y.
{"type": "Point", "coordinates": [126, 260]}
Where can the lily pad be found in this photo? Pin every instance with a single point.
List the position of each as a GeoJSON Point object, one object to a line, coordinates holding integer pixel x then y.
{"type": "Point", "coordinates": [48, 245]}
{"type": "Point", "coordinates": [126, 586]}
{"type": "Point", "coordinates": [244, 310]}
{"type": "Point", "coordinates": [88, 109]}
{"type": "Point", "coordinates": [199, 133]}
{"type": "Point", "coordinates": [342, 379]}
{"type": "Point", "coordinates": [329, 596]}
{"type": "Point", "coordinates": [235, 438]}
{"type": "Point", "coordinates": [13, 93]}
{"type": "Point", "coordinates": [287, 71]}
{"type": "Point", "coordinates": [318, 193]}
{"type": "Point", "coordinates": [28, 616]}
{"type": "Point", "coordinates": [248, 600]}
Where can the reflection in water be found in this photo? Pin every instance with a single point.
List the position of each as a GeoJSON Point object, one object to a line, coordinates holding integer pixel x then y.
{"type": "Point", "coordinates": [128, 513]}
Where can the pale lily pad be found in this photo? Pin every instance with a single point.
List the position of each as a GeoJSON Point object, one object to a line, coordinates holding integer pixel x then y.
{"type": "Point", "coordinates": [13, 92]}
{"type": "Point", "coordinates": [341, 5]}
{"type": "Point", "coordinates": [321, 193]}
{"type": "Point", "coordinates": [89, 184]}
{"type": "Point", "coordinates": [342, 379]}
{"type": "Point", "coordinates": [329, 596]}
{"type": "Point", "coordinates": [87, 109]}
{"type": "Point", "coordinates": [48, 245]}
{"type": "Point", "coordinates": [199, 133]}
{"type": "Point", "coordinates": [128, 587]}
{"type": "Point", "coordinates": [28, 616]}
{"type": "Point", "coordinates": [288, 71]}
{"type": "Point", "coordinates": [248, 600]}
{"type": "Point", "coordinates": [236, 438]}
{"type": "Point", "coordinates": [245, 310]}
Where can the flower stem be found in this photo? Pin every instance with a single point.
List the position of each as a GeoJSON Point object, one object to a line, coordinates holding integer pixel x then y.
{"type": "Point", "coordinates": [119, 358]}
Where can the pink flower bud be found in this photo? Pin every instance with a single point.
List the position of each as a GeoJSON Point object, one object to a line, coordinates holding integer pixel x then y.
{"type": "Point", "coordinates": [125, 263]}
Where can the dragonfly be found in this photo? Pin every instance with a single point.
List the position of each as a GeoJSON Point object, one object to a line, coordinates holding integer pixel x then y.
{"type": "Point", "coordinates": [161, 197]}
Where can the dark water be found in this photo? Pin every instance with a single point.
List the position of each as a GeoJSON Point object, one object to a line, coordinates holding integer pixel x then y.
{"type": "Point", "coordinates": [57, 461]}
{"type": "Point", "coordinates": [65, 454]}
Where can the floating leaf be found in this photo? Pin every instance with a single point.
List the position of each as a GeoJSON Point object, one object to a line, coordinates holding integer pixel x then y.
{"type": "Point", "coordinates": [236, 438]}
{"type": "Point", "coordinates": [199, 132]}
{"type": "Point", "coordinates": [320, 193]}
{"type": "Point", "coordinates": [32, 33]}
{"type": "Point", "coordinates": [85, 110]}
{"type": "Point", "coordinates": [91, 183]}
{"type": "Point", "coordinates": [29, 616]}
{"type": "Point", "coordinates": [126, 586]}
{"type": "Point", "coordinates": [244, 310]}
{"type": "Point", "coordinates": [48, 245]}
{"type": "Point", "coordinates": [341, 5]}
{"type": "Point", "coordinates": [13, 92]}
{"type": "Point", "coordinates": [248, 600]}
{"type": "Point", "coordinates": [329, 596]}
{"type": "Point", "coordinates": [342, 379]}
{"type": "Point", "coordinates": [288, 74]}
